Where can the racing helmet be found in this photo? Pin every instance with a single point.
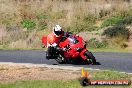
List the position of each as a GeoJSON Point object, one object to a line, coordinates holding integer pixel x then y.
{"type": "Point", "coordinates": [57, 30]}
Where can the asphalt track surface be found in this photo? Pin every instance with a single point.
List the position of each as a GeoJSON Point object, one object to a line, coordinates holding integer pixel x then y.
{"type": "Point", "coordinates": [109, 61]}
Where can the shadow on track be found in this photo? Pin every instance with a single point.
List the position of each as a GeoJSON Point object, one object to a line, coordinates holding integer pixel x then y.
{"type": "Point", "coordinates": [97, 63]}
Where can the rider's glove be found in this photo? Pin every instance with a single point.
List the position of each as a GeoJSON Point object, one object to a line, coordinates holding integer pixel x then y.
{"type": "Point", "coordinates": [64, 49]}
{"type": "Point", "coordinates": [54, 45]}
{"type": "Point", "coordinates": [60, 49]}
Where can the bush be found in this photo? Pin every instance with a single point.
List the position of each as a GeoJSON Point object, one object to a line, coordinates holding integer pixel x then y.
{"type": "Point", "coordinates": [111, 21]}
{"type": "Point", "coordinates": [117, 42]}
{"type": "Point", "coordinates": [116, 31]}
{"type": "Point", "coordinates": [118, 36]}
{"type": "Point", "coordinates": [42, 26]}
{"type": "Point", "coordinates": [42, 19]}
{"type": "Point", "coordinates": [79, 27]}
{"type": "Point", "coordinates": [121, 18]}
{"type": "Point", "coordinates": [90, 18]}
{"type": "Point", "coordinates": [60, 14]}
{"type": "Point", "coordinates": [94, 43]}
{"type": "Point", "coordinates": [29, 24]}
{"type": "Point", "coordinates": [126, 21]}
{"type": "Point", "coordinates": [83, 24]}
{"type": "Point", "coordinates": [104, 13]}
{"type": "Point", "coordinates": [42, 15]}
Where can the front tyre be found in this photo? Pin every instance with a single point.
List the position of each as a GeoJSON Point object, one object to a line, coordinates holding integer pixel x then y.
{"type": "Point", "coordinates": [90, 58]}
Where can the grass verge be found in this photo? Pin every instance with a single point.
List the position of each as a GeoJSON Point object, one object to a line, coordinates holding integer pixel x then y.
{"type": "Point", "coordinates": [70, 83]}
{"type": "Point", "coordinates": [109, 50]}
{"type": "Point", "coordinates": [90, 49]}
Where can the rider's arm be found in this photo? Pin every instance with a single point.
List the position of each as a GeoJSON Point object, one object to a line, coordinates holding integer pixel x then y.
{"type": "Point", "coordinates": [50, 41]}
{"type": "Point", "coordinates": [51, 44]}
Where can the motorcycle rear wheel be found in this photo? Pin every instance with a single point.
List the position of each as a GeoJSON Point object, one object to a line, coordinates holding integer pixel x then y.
{"type": "Point", "coordinates": [60, 59]}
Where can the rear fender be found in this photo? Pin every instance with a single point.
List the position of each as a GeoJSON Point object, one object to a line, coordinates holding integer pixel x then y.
{"type": "Point", "coordinates": [82, 54]}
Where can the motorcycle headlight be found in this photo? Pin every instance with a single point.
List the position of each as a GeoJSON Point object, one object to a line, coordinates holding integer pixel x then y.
{"type": "Point", "coordinates": [78, 49]}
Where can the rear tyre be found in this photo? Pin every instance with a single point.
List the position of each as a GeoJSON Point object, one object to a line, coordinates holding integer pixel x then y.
{"type": "Point", "coordinates": [47, 56]}
{"type": "Point", "coordinates": [90, 57]}
{"type": "Point", "coordinates": [60, 59]}
{"type": "Point", "coordinates": [51, 53]}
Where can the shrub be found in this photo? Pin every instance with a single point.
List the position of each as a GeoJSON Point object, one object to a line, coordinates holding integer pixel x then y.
{"type": "Point", "coordinates": [94, 43]}
{"type": "Point", "coordinates": [60, 14]}
{"type": "Point", "coordinates": [121, 18]}
{"type": "Point", "coordinates": [79, 27]}
{"type": "Point", "coordinates": [116, 31]}
{"type": "Point", "coordinates": [118, 35]}
{"type": "Point", "coordinates": [42, 18]}
{"type": "Point", "coordinates": [90, 18]}
{"type": "Point", "coordinates": [83, 24]}
{"type": "Point", "coordinates": [29, 24]}
{"type": "Point", "coordinates": [42, 26]}
{"type": "Point", "coordinates": [117, 42]}
{"type": "Point", "coordinates": [42, 15]}
{"type": "Point", "coordinates": [126, 21]}
{"type": "Point", "coordinates": [103, 13]}
{"type": "Point", "coordinates": [111, 21]}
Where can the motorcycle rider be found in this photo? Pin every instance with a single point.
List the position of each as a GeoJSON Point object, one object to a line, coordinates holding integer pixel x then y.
{"type": "Point", "coordinates": [54, 51]}
{"type": "Point", "coordinates": [53, 40]}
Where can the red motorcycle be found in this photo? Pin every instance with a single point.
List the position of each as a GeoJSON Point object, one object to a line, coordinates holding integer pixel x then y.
{"type": "Point", "coordinates": [72, 49]}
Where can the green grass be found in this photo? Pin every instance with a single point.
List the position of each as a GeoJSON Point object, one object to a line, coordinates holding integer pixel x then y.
{"type": "Point", "coordinates": [109, 50]}
{"type": "Point", "coordinates": [53, 84]}
{"type": "Point", "coordinates": [1, 48]}
{"type": "Point", "coordinates": [70, 83]}
{"type": "Point", "coordinates": [8, 48]}
{"type": "Point", "coordinates": [43, 84]}
{"type": "Point", "coordinates": [90, 49]}
{"type": "Point", "coordinates": [111, 21]}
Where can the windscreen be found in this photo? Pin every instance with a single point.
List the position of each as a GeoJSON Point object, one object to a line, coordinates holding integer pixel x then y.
{"type": "Point", "coordinates": [73, 39]}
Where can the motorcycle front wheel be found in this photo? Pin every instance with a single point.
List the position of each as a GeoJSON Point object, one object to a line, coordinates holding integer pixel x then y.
{"type": "Point", "coordinates": [90, 57]}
